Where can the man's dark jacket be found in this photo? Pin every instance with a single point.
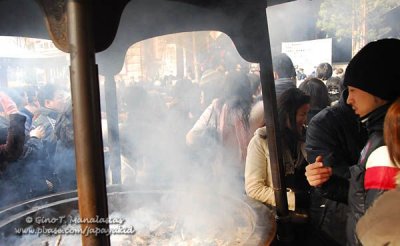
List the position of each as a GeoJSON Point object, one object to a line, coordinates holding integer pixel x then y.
{"type": "Point", "coordinates": [336, 135]}
{"type": "Point", "coordinates": [283, 84]}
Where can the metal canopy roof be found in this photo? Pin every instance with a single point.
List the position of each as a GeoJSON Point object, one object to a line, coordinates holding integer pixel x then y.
{"type": "Point", "coordinates": [118, 24]}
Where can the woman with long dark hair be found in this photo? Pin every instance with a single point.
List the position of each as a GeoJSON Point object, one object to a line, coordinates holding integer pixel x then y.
{"type": "Point", "coordinates": [229, 116]}
{"type": "Point", "coordinates": [293, 106]}
{"type": "Point", "coordinates": [319, 96]}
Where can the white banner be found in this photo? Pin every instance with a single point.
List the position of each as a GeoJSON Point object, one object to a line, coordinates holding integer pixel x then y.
{"type": "Point", "coordinates": [309, 54]}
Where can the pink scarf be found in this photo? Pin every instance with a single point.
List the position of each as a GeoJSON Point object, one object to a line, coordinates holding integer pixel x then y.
{"type": "Point", "coordinates": [240, 130]}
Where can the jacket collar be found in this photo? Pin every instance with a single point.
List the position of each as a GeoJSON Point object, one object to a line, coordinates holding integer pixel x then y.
{"type": "Point", "coordinates": [49, 112]}
{"type": "Point", "coordinates": [374, 120]}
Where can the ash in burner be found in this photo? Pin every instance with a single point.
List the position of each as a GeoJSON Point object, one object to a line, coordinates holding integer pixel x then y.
{"type": "Point", "coordinates": [170, 219]}
{"type": "Point", "coordinates": [163, 229]}
{"type": "Point", "coordinates": [160, 230]}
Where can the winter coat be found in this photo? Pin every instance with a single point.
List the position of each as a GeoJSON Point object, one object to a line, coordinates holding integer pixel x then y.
{"type": "Point", "coordinates": [373, 174]}
{"type": "Point", "coordinates": [29, 119]}
{"type": "Point", "coordinates": [63, 161]}
{"type": "Point", "coordinates": [26, 177]}
{"type": "Point", "coordinates": [258, 175]}
{"type": "Point", "coordinates": [312, 112]}
{"type": "Point", "coordinates": [381, 223]}
{"type": "Point", "coordinates": [336, 135]}
{"type": "Point", "coordinates": [9, 152]}
{"type": "Point", "coordinates": [283, 84]}
{"type": "Point", "coordinates": [13, 148]}
{"type": "Point", "coordinates": [33, 174]}
{"type": "Point", "coordinates": [48, 118]}
{"type": "Point", "coordinates": [64, 167]}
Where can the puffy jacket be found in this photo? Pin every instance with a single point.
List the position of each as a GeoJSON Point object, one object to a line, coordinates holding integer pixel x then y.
{"type": "Point", "coordinates": [373, 174]}
{"type": "Point", "coordinates": [258, 174]}
{"type": "Point", "coordinates": [380, 224]}
{"type": "Point", "coordinates": [335, 134]}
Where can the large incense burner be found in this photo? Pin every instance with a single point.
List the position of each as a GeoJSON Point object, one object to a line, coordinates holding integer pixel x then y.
{"type": "Point", "coordinates": [150, 217]}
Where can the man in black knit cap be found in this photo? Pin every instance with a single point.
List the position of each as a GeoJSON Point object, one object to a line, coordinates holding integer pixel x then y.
{"type": "Point", "coordinates": [373, 81]}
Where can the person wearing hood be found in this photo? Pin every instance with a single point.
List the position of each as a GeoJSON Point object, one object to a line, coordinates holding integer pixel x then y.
{"type": "Point", "coordinates": [372, 86]}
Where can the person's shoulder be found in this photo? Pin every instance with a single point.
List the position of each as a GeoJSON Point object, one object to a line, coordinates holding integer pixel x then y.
{"type": "Point", "coordinates": [258, 141]}
{"type": "Point", "coordinates": [325, 116]}
{"type": "Point", "coordinates": [261, 132]}
{"type": "Point", "coordinates": [379, 157]}
{"type": "Point", "coordinates": [370, 232]}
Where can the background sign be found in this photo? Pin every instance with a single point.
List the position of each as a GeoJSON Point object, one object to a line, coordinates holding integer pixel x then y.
{"type": "Point", "coordinates": [308, 54]}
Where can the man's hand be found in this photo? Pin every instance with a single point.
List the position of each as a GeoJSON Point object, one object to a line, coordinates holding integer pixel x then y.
{"type": "Point", "coordinates": [38, 132]}
{"type": "Point", "coordinates": [316, 173]}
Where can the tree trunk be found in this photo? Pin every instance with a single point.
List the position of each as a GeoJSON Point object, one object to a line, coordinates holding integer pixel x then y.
{"type": "Point", "coordinates": [359, 25]}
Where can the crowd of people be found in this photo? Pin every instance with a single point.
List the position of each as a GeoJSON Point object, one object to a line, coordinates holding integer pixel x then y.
{"type": "Point", "coordinates": [339, 137]}
{"type": "Point", "coordinates": [32, 133]}
{"type": "Point", "coordinates": [337, 167]}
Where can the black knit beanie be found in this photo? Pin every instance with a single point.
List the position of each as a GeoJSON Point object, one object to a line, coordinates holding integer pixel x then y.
{"type": "Point", "coordinates": [376, 69]}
